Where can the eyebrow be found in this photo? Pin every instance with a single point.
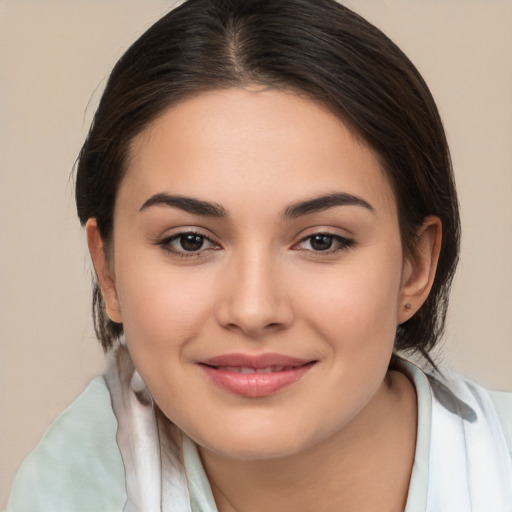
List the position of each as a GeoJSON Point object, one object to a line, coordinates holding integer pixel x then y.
{"type": "Point", "coordinates": [208, 209]}
{"type": "Point", "coordinates": [324, 202]}
{"type": "Point", "coordinates": [187, 204]}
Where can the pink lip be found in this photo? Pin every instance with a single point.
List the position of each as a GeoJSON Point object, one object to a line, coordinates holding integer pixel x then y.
{"type": "Point", "coordinates": [225, 372]}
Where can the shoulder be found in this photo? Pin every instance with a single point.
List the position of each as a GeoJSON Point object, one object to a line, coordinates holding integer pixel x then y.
{"type": "Point", "coordinates": [503, 404]}
{"type": "Point", "coordinates": [455, 392]}
{"type": "Point", "coordinates": [496, 407]}
{"type": "Point", "coordinates": [76, 466]}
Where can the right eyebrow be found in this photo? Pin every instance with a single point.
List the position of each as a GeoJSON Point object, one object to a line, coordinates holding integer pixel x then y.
{"type": "Point", "coordinates": [187, 204]}
{"type": "Point", "coordinates": [324, 202]}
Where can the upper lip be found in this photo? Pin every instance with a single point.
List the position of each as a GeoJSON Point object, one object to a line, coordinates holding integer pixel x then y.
{"type": "Point", "coordinates": [257, 361]}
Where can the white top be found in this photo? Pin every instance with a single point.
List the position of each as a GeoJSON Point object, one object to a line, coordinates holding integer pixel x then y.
{"type": "Point", "coordinates": [463, 459]}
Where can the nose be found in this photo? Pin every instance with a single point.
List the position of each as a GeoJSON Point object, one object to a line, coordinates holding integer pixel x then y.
{"type": "Point", "coordinates": [254, 299]}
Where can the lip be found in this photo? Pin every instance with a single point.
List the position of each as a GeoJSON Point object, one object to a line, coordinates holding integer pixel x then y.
{"type": "Point", "coordinates": [255, 376]}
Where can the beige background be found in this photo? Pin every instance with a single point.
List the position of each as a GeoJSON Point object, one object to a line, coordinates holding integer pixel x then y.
{"type": "Point", "coordinates": [55, 54]}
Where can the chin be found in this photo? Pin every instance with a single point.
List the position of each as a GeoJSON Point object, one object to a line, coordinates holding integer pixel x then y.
{"type": "Point", "coordinates": [263, 444]}
{"type": "Point", "coordinates": [253, 451]}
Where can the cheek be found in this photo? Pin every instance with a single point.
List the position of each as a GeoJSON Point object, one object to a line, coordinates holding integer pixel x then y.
{"type": "Point", "coordinates": [162, 317]}
{"type": "Point", "coordinates": [162, 307]}
{"type": "Point", "coordinates": [355, 305]}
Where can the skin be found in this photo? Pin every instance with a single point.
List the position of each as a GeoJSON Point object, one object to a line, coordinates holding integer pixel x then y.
{"type": "Point", "coordinates": [259, 285]}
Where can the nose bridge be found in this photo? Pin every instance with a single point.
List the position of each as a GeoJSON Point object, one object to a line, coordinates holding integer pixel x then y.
{"type": "Point", "coordinates": [254, 299]}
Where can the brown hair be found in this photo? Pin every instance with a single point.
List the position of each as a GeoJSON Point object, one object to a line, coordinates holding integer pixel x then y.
{"type": "Point", "coordinates": [316, 47]}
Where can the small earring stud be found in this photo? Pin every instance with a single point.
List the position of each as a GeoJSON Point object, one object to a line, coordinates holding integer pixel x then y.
{"type": "Point", "coordinates": [408, 306]}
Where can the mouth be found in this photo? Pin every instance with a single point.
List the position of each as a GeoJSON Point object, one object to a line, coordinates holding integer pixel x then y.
{"type": "Point", "coordinates": [247, 370]}
{"type": "Point", "coordinates": [255, 376]}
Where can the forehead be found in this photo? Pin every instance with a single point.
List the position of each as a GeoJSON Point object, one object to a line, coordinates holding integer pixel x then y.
{"type": "Point", "coordinates": [248, 146]}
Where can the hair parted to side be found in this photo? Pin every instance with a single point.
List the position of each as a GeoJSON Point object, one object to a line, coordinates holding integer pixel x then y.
{"type": "Point", "coordinates": [318, 48]}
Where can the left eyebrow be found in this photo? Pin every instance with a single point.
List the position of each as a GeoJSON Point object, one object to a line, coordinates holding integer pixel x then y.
{"type": "Point", "coordinates": [324, 202]}
{"type": "Point", "coordinates": [187, 204]}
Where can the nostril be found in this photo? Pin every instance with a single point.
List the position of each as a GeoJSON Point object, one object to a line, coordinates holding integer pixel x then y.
{"type": "Point", "coordinates": [253, 307]}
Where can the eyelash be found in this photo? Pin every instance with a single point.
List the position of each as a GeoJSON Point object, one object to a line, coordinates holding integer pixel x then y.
{"type": "Point", "coordinates": [166, 245]}
{"type": "Point", "coordinates": [341, 243]}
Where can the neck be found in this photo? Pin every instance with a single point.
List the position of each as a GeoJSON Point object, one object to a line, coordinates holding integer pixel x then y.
{"type": "Point", "coordinates": [364, 467]}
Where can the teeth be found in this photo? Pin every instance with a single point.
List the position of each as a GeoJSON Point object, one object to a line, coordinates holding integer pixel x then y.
{"type": "Point", "coordinates": [265, 370]}
{"type": "Point", "coordinates": [238, 369]}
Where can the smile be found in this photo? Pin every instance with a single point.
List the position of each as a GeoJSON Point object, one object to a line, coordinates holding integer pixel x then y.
{"type": "Point", "coordinates": [255, 376]}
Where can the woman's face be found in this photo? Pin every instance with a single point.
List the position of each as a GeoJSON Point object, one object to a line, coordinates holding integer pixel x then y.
{"type": "Point", "coordinates": [257, 270]}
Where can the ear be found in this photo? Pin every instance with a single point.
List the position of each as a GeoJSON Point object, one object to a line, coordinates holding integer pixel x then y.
{"type": "Point", "coordinates": [103, 270]}
{"type": "Point", "coordinates": [420, 269]}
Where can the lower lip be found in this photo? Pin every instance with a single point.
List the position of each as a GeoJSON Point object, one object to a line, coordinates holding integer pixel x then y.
{"type": "Point", "coordinates": [255, 385]}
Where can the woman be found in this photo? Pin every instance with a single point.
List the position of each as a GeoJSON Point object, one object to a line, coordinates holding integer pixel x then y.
{"type": "Point", "coordinates": [270, 211]}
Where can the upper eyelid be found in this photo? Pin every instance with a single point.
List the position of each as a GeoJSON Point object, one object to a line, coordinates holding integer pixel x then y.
{"type": "Point", "coordinates": [166, 241]}
{"type": "Point", "coordinates": [176, 236]}
{"type": "Point", "coordinates": [344, 241]}
{"type": "Point", "coordinates": [186, 231]}
{"type": "Point", "coordinates": [329, 229]}
{"type": "Point", "coordinates": [327, 232]}
{"type": "Point", "coordinates": [165, 244]}
{"type": "Point", "coordinates": [335, 236]}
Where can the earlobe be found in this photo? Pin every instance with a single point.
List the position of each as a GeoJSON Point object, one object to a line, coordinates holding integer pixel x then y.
{"type": "Point", "coordinates": [420, 269]}
{"type": "Point", "coordinates": [103, 270]}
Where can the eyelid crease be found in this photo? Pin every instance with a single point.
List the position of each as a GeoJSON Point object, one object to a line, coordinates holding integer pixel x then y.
{"type": "Point", "coordinates": [175, 231]}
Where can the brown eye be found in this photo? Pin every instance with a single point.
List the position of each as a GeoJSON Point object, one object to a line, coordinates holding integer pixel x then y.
{"type": "Point", "coordinates": [324, 243]}
{"type": "Point", "coordinates": [321, 242]}
{"type": "Point", "coordinates": [191, 242]}
{"type": "Point", "coordinates": [187, 244]}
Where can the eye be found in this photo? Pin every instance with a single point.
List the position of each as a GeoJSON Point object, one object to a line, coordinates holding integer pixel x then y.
{"type": "Point", "coordinates": [187, 244]}
{"type": "Point", "coordinates": [324, 243]}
